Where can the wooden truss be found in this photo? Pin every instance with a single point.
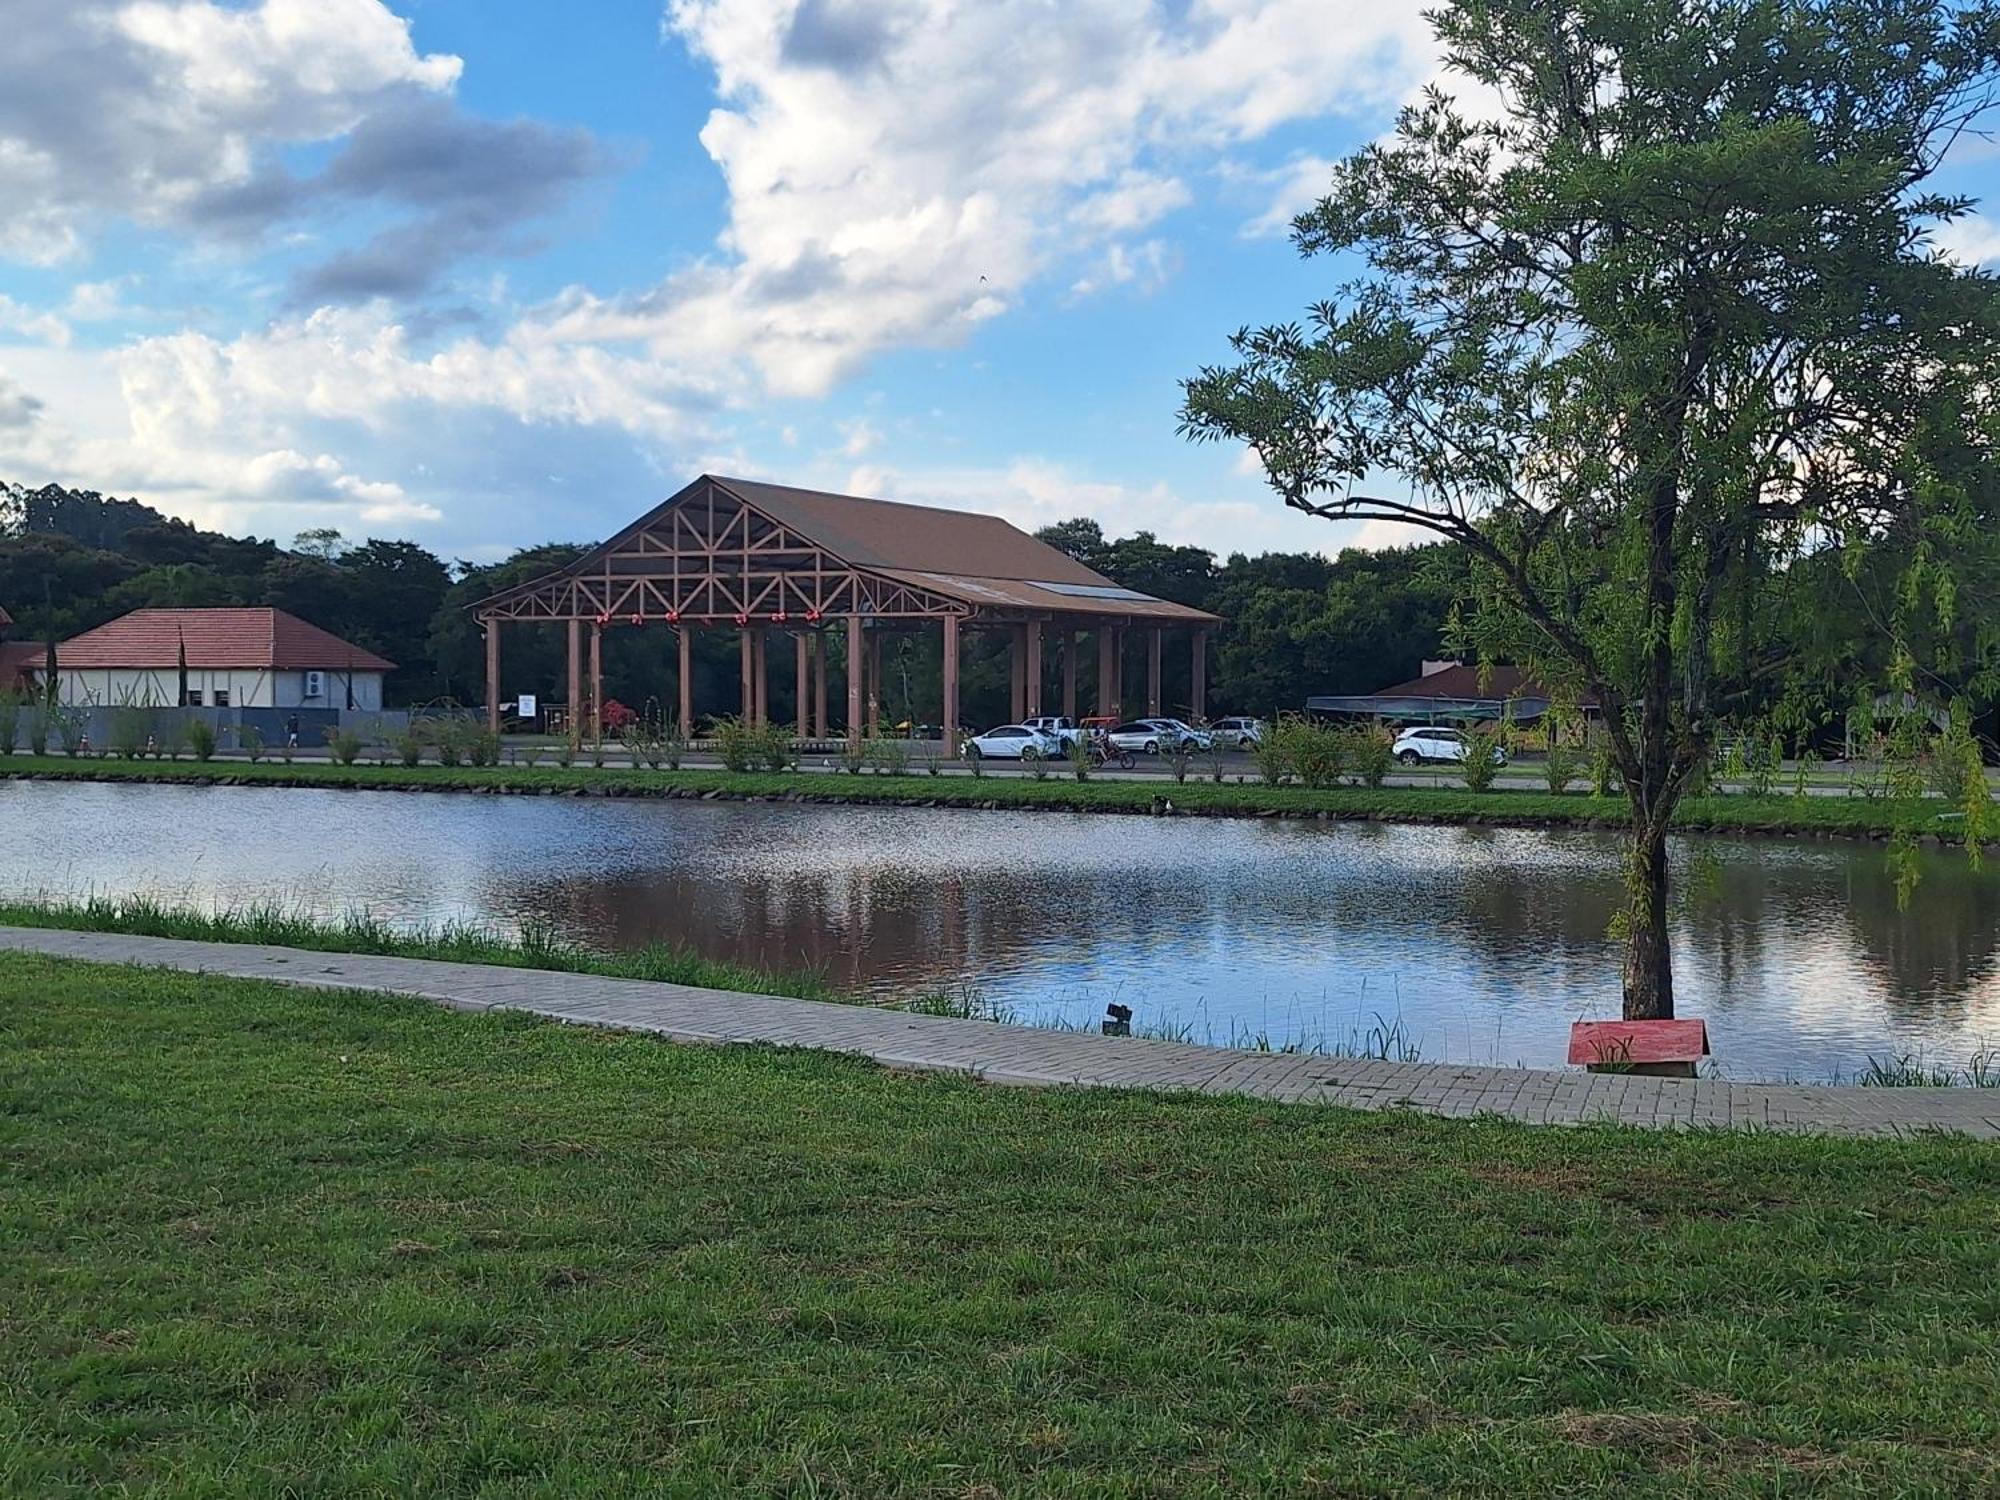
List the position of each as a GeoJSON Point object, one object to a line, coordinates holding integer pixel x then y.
{"type": "Point", "coordinates": [708, 558]}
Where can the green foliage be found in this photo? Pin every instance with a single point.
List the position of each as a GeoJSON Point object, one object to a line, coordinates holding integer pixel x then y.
{"type": "Point", "coordinates": [407, 744]}
{"type": "Point", "coordinates": [1482, 762]}
{"type": "Point", "coordinates": [482, 747]}
{"type": "Point", "coordinates": [1177, 758]}
{"type": "Point", "coordinates": [128, 731]}
{"type": "Point", "coordinates": [251, 742]}
{"type": "Point", "coordinates": [1308, 750]}
{"type": "Point", "coordinates": [10, 720]}
{"type": "Point", "coordinates": [1273, 753]}
{"type": "Point", "coordinates": [1656, 335]}
{"type": "Point", "coordinates": [1079, 757]}
{"type": "Point", "coordinates": [886, 755]}
{"type": "Point", "coordinates": [737, 743]}
{"type": "Point", "coordinates": [201, 739]}
{"type": "Point", "coordinates": [854, 756]}
{"type": "Point", "coordinates": [1368, 753]}
{"type": "Point", "coordinates": [38, 729]}
{"type": "Point", "coordinates": [477, 1228]}
{"type": "Point", "coordinates": [345, 745]}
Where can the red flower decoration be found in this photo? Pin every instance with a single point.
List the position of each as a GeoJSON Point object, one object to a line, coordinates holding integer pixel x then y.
{"type": "Point", "coordinates": [742, 618]}
{"type": "Point", "coordinates": [778, 618]}
{"type": "Point", "coordinates": [673, 617]}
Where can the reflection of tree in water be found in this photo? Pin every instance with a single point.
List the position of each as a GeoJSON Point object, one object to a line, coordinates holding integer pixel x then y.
{"type": "Point", "coordinates": [1938, 952]}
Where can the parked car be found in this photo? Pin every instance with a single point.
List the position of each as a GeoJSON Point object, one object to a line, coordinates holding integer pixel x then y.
{"type": "Point", "coordinates": [1060, 727]}
{"type": "Point", "coordinates": [1013, 742]}
{"type": "Point", "coordinates": [1426, 742]}
{"type": "Point", "coordinates": [1143, 735]}
{"type": "Point", "coordinates": [1181, 730]}
{"type": "Point", "coordinates": [1240, 732]}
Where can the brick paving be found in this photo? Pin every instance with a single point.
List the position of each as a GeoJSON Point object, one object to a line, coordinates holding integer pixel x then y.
{"type": "Point", "coordinates": [1028, 1056]}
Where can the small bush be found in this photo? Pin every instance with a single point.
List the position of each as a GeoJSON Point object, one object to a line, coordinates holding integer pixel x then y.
{"type": "Point", "coordinates": [853, 754]}
{"type": "Point", "coordinates": [10, 720]}
{"type": "Point", "coordinates": [407, 745]}
{"type": "Point", "coordinates": [38, 730]}
{"type": "Point", "coordinates": [1179, 757]}
{"type": "Point", "coordinates": [345, 745]}
{"type": "Point", "coordinates": [127, 736]}
{"type": "Point", "coordinates": [250, 741]}
{"type": "Point", "coordinates": [1481, 763]}
{"type": "Point", "coordinates": [566, 753]}
{"type": "Point", "coordinates": [1603, 771]}
{"type": "Point", "coordinates": [737, 742]}
{"type": "Point", "coordinates": [1369, 753]}
{"type": "Point", "coordinates": [778, 750]}
{"type": "Point", "coordinates": [201, 739]}
{"type": "Point", "coordinates": [1214, 759]}
{"type": "Point", "coordinates": [1559, 769]}
{"type": "Point", "coordinates": [1079, 758]}
{"type": "Point", "coordinates": [482, 747]}
{"type": "Point", "coordinates": [1273, 755]}
{"type": "Point", "coordinates": [1314, 752]}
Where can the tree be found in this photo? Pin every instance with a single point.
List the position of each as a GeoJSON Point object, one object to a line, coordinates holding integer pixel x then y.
{"type": "Point", "coordinates": [1646, 341]}
{"type": "Point", "coordinates": [323, 542]}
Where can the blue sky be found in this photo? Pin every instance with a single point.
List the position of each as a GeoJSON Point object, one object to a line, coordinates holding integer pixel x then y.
{"type": "Point", "coordinates": [492, 272]}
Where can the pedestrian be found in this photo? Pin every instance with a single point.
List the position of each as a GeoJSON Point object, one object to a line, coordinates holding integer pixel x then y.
{"type": "Point", "coordinates": [292, 732]}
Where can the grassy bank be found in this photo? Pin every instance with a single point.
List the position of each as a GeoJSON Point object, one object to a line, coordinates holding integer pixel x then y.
{"type": "Point", "coordinates": [538, 945]}
{"type": "Point", "coordinates": [1821, 816]}
{"type": "Point", "coordinates": [263, 1241]}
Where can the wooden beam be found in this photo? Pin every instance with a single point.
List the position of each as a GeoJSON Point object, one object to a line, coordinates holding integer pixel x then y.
{"type": "Point", "coordinates": [855, 650]}
{"type": "Point", "coordinates": [1017, 672]}
{"type": "Point", "coordinates": [875, 683]}
{"type": "Point", "coordinates": [950, 685]}
{"type": "Point", "coordinates": [747, 703]}
{"type": "Point", "coordinates": [492, 676]}
{"type": "Point", "coordinates": [801, 701]}
{"type": "Point", "coordinates": [760, 643]}
{"type": "Point", "coordinates": [1107, 673]}
{"type": "Point", "coordinates": [596, 683]}
{"type": "Point", "coordinates": [1199, 691]}
{"type": "Point", "coordinates": [575, 680]}
{"type": "Point", "coordinates": [819, 684]}
{"type": "Point", "coordinates": [1070, 642]}
{"type": "Point", "coordinates": [686, 681]}
{"type": "Point", "coordinates": [1153, 671]}
{"type": "Point", "coordinates": [1031, 636]}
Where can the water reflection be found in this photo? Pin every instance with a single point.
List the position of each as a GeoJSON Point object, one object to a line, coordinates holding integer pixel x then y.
{"type": "Point", "coordinates": [1486, 942]}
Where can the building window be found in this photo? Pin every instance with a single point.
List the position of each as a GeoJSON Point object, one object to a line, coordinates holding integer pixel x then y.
{"type": "Point", "coordinates": [193, 698]}
{"type": "Point", "coordinates": [222, 697]}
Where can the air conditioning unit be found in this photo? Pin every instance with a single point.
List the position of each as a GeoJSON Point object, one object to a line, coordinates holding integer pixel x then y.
{"type": "Point", "coordinates": [315, 684]}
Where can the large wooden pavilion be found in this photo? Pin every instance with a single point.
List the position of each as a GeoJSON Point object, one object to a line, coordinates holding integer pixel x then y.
{"type": "Point", "coordinates": [768, 559]}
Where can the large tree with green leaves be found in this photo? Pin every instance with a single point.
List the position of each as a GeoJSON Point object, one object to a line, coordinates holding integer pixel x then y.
{"type": "Point", "coordinates": [1655, 323]}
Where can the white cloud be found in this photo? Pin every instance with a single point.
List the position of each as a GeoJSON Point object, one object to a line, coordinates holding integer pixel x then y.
{"type": "Point", "coordinates": [1293, 188]}
{"type": "Point", "coordinates": [44, 327]}
{"type": "Point", "coordinates": [1971, 240]}
{"type": "Point", "coordinates": [899, 171]}
{"type": "Point", "coordinates": [1145, 267]}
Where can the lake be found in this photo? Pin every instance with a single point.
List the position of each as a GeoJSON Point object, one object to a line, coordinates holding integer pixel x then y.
{"type": "Point", "coordinates": [1483, 944]}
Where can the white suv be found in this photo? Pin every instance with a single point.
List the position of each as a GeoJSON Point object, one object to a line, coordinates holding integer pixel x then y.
{"type": "Point", "coordinates": [1242, 733]}
{"type": "Point", "coordinates": [1059, 727]}
{"type": "Point", "coordinates": [1427, 742]}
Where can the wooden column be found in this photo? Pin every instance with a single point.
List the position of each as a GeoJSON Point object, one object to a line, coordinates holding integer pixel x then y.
{"type": "Point", "coordinates": [492, 676]}
{"type": "Point", "coordinates": [1107, 673]}
{"type": "Point", "coordinates": [686, 682]}
{"type": "Point", "coordinates": [1017, 672]}
{"type": "Point", "coordinates": [761, 675]}
{"type": "Point", "coordinates": [874, 681]}
{"type": "Point", "coordinates": [856, 648]}
{"type": "Point", "coordinates": [575, 680]}
{"type": "Point", "coordinates": [801, 701]}
{"type": "Point", "coordinates": [1031, 634]}
{"type": "Point", "coordinates": [1153, 672]}
{"type": "Point", "coordinates": [1069, 647]}
{"type": "Point", "coordinates": [1118, 668]}
{"type": "Point", "coordinates": [596, 682]}
{"type": "Point", "coordinates": [951, 685]}
{"type": "Point", "coordinates": [1199, 692]}
{"type": "Point", "coordinates": [747, 704]}
{"type": "Point", "coordinates": [819, 684]}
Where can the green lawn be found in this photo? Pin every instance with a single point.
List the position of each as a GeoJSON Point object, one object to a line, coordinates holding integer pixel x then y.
{"type": "Point", "coordinates": [1441, 803]}
{"type": "Point", "coordinates": [262, 1241]}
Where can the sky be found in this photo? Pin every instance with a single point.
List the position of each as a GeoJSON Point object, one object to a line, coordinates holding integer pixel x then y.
{"type": "Point", "coordinates": [488, 273]}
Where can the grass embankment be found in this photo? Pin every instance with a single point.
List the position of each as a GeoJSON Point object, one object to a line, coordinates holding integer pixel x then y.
{"type": "Point", "coordinates": [264, 1240]}
{"type": "Point", "coordinates": [538, 945]}
{"type": "Point", "coordinates": [1844, 816]}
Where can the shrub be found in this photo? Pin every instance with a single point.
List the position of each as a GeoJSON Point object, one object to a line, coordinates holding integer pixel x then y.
{"type": "Point", "coordinates": [1213, 758]}
{"type": "Point", "coordinates": [1313, 752]}
{"type": "Point", "coordinates": [1481, 763]}
{"type": "Point", "coordinates": [201, 739]}
{"type": "Point", "coordinates": [736, 741]}
{"type": "Point", "coordinates": [1370, 754]}
{"type": "Point", "coordinates": [1274, 755]}
{"type": "Point", "coordinates": [482, 747]}
{"type": "Point", "coordinates": [407, 744]}
{"type": "Point", "coordinates": [1603, 773]}
{"type": "Point", "coordinates": [1178, 757]}
{"type": "Point", "coordinates": [777, 750]}
{"type": "Point", "coordinates": [1079, 757]}
{"type": "Point", "coordinates": [38, 730]}
{"type": "Point", "coordinates": [68, 724]}
{"type": "Point", "coordinates": [345, 745]}
{"type": "Point", "coordinates": [251, 742]}
{"type": "Point", "coordinates": [853, 755]}
{"type": "Point", "coordinates": [127, 736]}
{"type": "Point", "coordinates": [888, 756]}
{"type": "Point", "coordinates": [10, 720]}
{"type": "Point", "coordinates": [566, 753]}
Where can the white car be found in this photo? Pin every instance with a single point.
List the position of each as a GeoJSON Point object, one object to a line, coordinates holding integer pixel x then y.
{"type": "Point", "coordinates": [1013, 742]}
{"type": "Point", "coordinates": [1242, 733]}
{"type": "Point", "coordinates": [1187, 733]}
{"type": "Point", "coordinates": [1426, 742]}
{"type": "Point", "coordinates": [1060, 727]}
{"type": "Point", "coordinates": [1146, 736]}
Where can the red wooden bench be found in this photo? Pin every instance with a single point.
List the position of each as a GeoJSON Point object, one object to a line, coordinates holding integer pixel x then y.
{"type": "Point", "coordinates": [1663, 1049]}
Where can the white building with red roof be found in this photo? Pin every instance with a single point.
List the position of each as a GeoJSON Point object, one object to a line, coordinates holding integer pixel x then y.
{"type": "Point", "coordinates": [235, 658]}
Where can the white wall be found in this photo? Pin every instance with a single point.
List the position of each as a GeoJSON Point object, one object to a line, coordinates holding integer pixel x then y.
{"type": "Point", "coordinates": [159, 687]}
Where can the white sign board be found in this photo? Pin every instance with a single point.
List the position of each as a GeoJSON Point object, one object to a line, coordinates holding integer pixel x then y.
{"type": "Point", "coordinates": [525, 708]}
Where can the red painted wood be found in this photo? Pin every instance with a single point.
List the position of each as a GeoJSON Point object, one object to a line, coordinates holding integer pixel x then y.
{"type": "Point", "coordinates": [1638, 1041]}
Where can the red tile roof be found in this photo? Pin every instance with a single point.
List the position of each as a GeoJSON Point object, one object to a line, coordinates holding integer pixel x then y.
{"type": "Point", "coordinates": [248, 638]}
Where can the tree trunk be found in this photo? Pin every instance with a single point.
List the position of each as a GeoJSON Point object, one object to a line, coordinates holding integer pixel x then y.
{"type": "Point", "coordinates": [1649, 972]}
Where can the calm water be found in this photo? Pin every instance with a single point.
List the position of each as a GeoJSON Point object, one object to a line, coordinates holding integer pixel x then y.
{"type": "Point", "coordinates": [1486, 943]}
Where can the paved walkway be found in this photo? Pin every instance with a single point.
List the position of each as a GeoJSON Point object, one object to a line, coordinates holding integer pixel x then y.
{"type": "Point", "coordinates": [1027, 1055]}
